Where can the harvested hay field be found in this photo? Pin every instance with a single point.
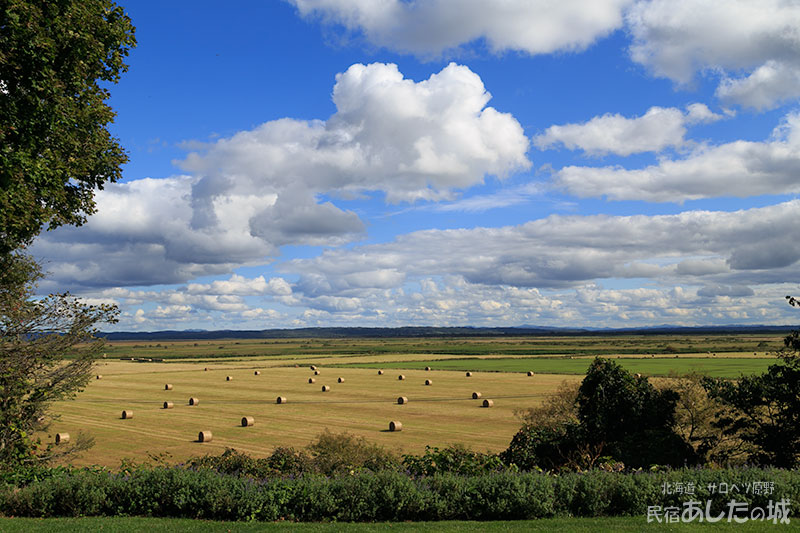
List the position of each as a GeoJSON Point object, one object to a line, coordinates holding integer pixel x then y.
{"type": "Point", "coordinates": [436, 416]}
{"type": "Point", "coordinates": [439, 415]}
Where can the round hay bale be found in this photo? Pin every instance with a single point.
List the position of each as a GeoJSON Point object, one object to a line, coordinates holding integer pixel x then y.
{"type": "Point", "coordinates": [394, 425]}
{"type": "Point", "coordinates": [380, 372]}
{"type": "Point", "coordinates": [62, 438]}
{"type": "Point", "coordinates": [488, 403]}
{"type": "Point", "coordinates": [401, 377]}
{"type": "Point", "coordinates": [98, 376]}
{"type": "Point", "coordinates": [428, 382]}
{"type": "Point", "coordinates": [340, 380]}
{"type": "Point", "coordinates": [248, 421]}
{"type": "Point", "coordinates": [402, 400]}
{"type": "Point", "coordinates": [193, 401]}
{"type": "Point", "coordinates": [228, 378]}
{"type": "Point", "coordinates": [168, 405]}
{"type": "Point", "coordinates": [312, 380]}
{"type": "Point", "coordinates": [280, 399]}
{"type": "Point", "coordinates": [204, 436]}
{"type": "Point", "coordinates": [476, 395]}
{"type": "Point", "coordinates": [257, 373]}
{"type": "Point", "coordinates": [168, 386]}
{"type": "Point", "coordinates": [427, 368]}
{"type": "Point", "coordinates": [530, 373]}
{"type": "Point", "coordinates": [313, 367]}
{"type": "Point", "coordinates": [316, 372]}
{"type": "Point", "coordinates": [325, 388]}
{"type": "Point", "coordinates": [126, 414]}
{"type": "Point", "coordinates": [469, 374]}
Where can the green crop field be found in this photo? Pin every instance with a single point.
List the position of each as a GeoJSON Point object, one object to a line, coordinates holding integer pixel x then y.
{"type": "Point", "coordinates": [289, 349]}
{"type": "Point", "coordinates": [726, 367]}
{"type": "Point", "coordinates": [364, 404]}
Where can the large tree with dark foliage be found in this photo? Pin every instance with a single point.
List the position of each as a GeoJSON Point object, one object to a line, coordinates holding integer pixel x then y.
{"type": "Point", "coordinates": [57, 58]}
{"type": "Point", "coordinates": [629, 418]}
{"type": "Point", "coordinates": [618, 416]}
{"type": "Point", "coordinates": [767, 407]}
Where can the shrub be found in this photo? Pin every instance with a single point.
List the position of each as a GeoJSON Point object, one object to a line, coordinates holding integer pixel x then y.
{"type": "Point", "coordinates": [235, 463]}
{"type": "Point", "coordinates": [386, 496]}
{"type": "Point", "coordinates": [343, 453]}
{"type": "Point", "coordinates": [456, 459]}
{"type": "Point", "coordinates": [290, 462]}
{"type": "Point", "coordinates": [548, 448]}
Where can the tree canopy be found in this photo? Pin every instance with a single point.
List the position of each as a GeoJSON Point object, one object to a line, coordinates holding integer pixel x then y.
{"type": "Point", "coordinates": [47, 351]}
{"type": "Point", "coordinates": [56, 59]}
{"type": "Point", "coordinates": [767, 407]}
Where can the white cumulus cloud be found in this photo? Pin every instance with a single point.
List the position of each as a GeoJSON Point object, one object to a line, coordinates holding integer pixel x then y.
{"type": "Point", "coordinates": [753, 46]}
{"type": "Point", "coordinates": [246, 196]}
{"type": "Point", "coordinates": [740, 168]}
{"type": "Point", "coordinates": [659, 128]}
{"type": "Point", "coordinates": [430, 27]}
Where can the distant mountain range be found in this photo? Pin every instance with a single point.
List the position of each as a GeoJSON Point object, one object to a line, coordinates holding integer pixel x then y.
{"type": "Point", "coordinates": [413, 331]}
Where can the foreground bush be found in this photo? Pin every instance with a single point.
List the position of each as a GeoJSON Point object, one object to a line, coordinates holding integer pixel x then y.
{"type": "Point", "coordinates": [454, 459]}
{"type": "Point", "coordinates": [331, 454]}
{"type": "Point", "coordinates": [386, 496]}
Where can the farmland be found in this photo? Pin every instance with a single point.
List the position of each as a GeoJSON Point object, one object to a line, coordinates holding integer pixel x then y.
{"type": "Point", "coordinates": [364, 404]}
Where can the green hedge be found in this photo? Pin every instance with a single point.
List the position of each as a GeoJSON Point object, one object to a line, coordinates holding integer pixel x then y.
{"type": "Point", "coordinates": [387, 496]}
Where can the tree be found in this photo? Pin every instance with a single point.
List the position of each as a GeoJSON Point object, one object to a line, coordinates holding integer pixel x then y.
{"type": "Point", "coordinates": [47, 350]}
{"type": "Point", "coordinates": [767, 407]}
{"type": "Point", "coordinates": [616, 415]}
{"type": "Point", "coordinates": [628, 417]}
{"type": "Point", "coordinates": [697, 421]}
{"type": "Point", "coordinates": [56, 58]}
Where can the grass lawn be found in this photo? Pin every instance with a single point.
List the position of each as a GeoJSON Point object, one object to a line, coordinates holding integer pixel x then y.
{"type": "Point", "coordinates": [573, 525]}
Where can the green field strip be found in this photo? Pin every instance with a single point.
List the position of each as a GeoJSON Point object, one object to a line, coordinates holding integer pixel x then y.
{"type": "Point", "coordinates": [715, 367]}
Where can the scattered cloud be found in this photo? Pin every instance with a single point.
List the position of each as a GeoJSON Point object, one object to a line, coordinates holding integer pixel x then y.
{"type": "Point", "coordinates": [245, 196]}
{"type": "Point", "coordinates": [564, 251]}
{"type": "Point", "coordinates": [739, 169]}
{"type": "Point", "coordinates": [658, 129]}
{"type": "Point", "coordinates": [754, 47]}
{"type": "Point", "coordinates": [432, 27]}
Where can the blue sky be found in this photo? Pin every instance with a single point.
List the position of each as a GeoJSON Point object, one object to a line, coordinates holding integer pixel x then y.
{"type": "Point", "coordinates": [591, 163]}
